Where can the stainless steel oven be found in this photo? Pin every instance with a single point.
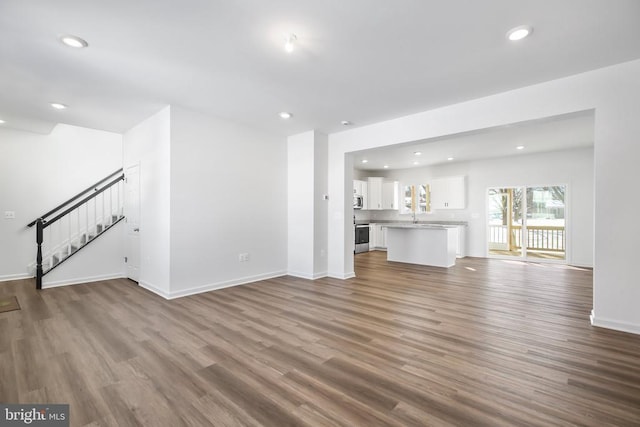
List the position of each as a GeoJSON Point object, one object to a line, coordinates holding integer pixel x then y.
{"type": "Point", "coordinates": [362, 238]}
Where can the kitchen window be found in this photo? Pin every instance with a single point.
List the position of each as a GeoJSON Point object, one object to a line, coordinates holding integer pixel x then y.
{"type": "Point", "coordinates": [416, 199]}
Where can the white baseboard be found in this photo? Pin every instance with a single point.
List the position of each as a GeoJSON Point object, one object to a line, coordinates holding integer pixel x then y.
{"type": "Point", "coordinates": [614, 324]}
{"type": "Point", "coordinates": [307, 276]}
{"type": "Point", "coordinates": [9, 277]}
{"type": "Point", "coordinates": [342, 276]}
{"type": "Point", "coordinates": [81, 280]}
{"type": "Point", "coordinates": [222, 285]}
{"type": "Point", "coordinates": [154, 289]}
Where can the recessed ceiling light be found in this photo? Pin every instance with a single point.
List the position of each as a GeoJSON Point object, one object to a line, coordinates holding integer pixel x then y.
{"type": "Point", "coordinates": [386, 166]}
{"type": "Point", "coordinates": [520, 147]}
{"type": "Point", "coordinates": [365, 161]}
{"type": "Point", "coordinates": [417, 153]}
{"type": "Point", "coordinates": [2, 122]}
{"type": "Point", "coordinates": [74, 41]}
{"type": "Point", "coordinates": [346, 123]}
{"type": "Point", "coordinates": [285, 115]}
{"type": "Point", "coordinates": [289, 42]}
{"type": "Point", "coordinates": [416, 163]}
{"type": "Point", "coordinates": [449, 158]}
{"type": "Point", "coordinates": [518, 33]}
{"type": "Point", "coordinates": [58, 106]}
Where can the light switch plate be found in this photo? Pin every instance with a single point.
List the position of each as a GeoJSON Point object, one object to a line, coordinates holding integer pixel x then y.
{"type": "Point", "coordinates": [9, 215]}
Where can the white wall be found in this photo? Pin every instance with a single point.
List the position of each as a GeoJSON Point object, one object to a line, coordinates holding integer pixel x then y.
{"type": "Point", "coordinates": [148, 145]}
{"type": "Point", "coordinates": [307, 185]}
{"type": "Point", "coordinates": [37, 173]}
{"type": "Point", "coordinates": [228, 196]}
{"type": "Point", "coordinates": [614, 94]}
{"type": "Point", "coordinates": [571, 167]}
{"type": "Point", "coordinates": [321, 206]}
{"type": "Point", "coordinates": [301, 206]}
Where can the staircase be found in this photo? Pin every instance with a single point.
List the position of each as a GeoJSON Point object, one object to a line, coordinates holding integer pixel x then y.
{"type": "Point", "coordinates": [65, 230]}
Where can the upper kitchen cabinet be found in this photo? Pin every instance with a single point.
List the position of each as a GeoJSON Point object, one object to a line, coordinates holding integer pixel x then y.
{"type": "Point", "coordinates": [390, 195]}
{"type": "Point", "coordinates": [375, 193]}
{"type": "Point", "coordinates": [361, 188]}
{"type": "Point", "coordinates": [382, 195]}
{"type": "Point", "coordinates": [448, 193]}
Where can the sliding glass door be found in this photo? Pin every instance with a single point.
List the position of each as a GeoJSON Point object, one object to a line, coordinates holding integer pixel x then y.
{"type": "Point", "coordinates": [527, 222]}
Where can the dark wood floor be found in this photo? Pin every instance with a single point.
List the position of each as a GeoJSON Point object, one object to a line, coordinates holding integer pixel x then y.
{"type": "Point", "coordinates": [487, 342]}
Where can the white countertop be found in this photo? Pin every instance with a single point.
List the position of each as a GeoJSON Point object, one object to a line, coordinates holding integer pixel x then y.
{"type": "Point", "coordinates": [420, 226]}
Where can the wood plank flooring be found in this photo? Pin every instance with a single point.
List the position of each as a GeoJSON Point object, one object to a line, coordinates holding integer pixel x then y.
{"type": "Point", "coordinates": [487, 342]}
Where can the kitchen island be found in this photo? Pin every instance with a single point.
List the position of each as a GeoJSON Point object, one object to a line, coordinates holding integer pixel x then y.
{"type": "Point", "coordinates": [424, 244]}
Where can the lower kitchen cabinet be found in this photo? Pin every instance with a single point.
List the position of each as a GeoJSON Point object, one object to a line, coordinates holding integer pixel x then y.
{"type": "Point", "coordinates": [461, 250]}
{"type": "Point", "coordinates": [377, 236]}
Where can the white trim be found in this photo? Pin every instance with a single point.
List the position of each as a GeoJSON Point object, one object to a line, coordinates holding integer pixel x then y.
{"type": "Point", "coordinates": [222, 285]}
{"type": "Point", "coordinates": [155, 290]}
{"type": "Point", "coordinates": [614, 324]}
{"type": "Point", "coordinates": [314, 276]}
{"type": "Point", "coordinates": [82, 280]}
{"type": "Point", "coordinates": [10, 277]}
{"type": "Point", "coordinates": [342, 276]}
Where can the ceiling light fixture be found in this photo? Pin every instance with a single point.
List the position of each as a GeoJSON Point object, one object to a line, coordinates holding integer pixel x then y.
{"type": "Point", "coordinates": [2, 122]}
{"type": "Point", "coordinates": [285, 115]}
{"type": "Point", "coordinates": [74, 41]}
{"type": "Point", "coordinates": [290, 40]}
{"type": "Point", "coordinates": [520, 147]}
{"type": "Point", "coordinates": [449, 158]}
{"type": "Point", "coordinates": [518, 33]}
{"type": "Point", "coordinates": [386, 166]}
{"type": "Point", "coordinates": [365, 161]}
{"type": "Point", "coordinates": [417, 153]}
{"type": "Point", "coordinates": [346, 123]}
{"type": "Point", "coordinates": [58, 106]}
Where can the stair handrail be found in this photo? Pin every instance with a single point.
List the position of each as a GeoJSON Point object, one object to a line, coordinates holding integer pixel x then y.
{"type": "Point", "coordinates": [76, 197]}
{"type": "Point", "coordinates": [42, 223]}
{"type": "Point", "coordinates": [93, 195]}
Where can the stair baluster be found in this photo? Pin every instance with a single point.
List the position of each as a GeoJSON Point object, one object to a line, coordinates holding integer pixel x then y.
{"type": "Point", "coordinates": [61, 244]}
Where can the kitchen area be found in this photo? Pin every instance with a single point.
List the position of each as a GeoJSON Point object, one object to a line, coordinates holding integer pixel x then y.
{"type": "Point", "coordinates": [398, 218]}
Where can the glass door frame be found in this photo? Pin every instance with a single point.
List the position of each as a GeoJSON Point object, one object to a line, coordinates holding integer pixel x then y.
{"type": "Point", "coordinates": [524, 234]}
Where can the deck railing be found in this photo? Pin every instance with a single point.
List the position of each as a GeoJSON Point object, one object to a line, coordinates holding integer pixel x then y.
{"type": "Point", "coordinates": [539, 237]}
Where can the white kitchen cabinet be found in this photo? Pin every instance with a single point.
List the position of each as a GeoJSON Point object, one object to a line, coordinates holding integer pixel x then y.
{"type": "Point", "coordinates": [381, 194]}
{"type": "Point", "coordinates": [373, 236]}
{"type": "Point", "coordinates": [365, 195]}
{"type": "Point", "coordinates": [448, 193]}
{"type": "Point", "coordinates": [461, 250]}
{"type": "Point", "coordinates": [377, 236]}
{"type": "Point", "coordinates": [375, 193]}
{"type": "Point", "coordinates": [360, 188]}
{"type": "Point", "coordinates": [390, 195]}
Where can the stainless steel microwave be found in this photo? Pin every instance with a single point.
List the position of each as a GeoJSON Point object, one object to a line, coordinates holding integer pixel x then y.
{"type": "Point", "coordinates": [357, 202]}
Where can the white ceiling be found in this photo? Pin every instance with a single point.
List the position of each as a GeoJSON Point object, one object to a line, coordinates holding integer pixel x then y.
{"type": "Point", "coordinates": [358, 60]}
{"type": "Point", "coordinates": [536, 136]}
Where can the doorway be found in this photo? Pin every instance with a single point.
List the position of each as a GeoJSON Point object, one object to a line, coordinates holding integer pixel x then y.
{"type": "Point", "coordinates": [132, 212]}
{"type": "Point", "coordinates": [527, 223]}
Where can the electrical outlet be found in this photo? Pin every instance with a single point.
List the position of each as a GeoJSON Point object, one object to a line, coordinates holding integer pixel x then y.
{"type": "Point", "coordinates": [9, 215]}
{"type": "Point", "coordinates": [243, 257]}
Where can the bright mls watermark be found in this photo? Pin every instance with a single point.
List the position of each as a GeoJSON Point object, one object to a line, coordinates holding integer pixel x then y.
{"type": "Point", "coordinates": [34, 415]}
